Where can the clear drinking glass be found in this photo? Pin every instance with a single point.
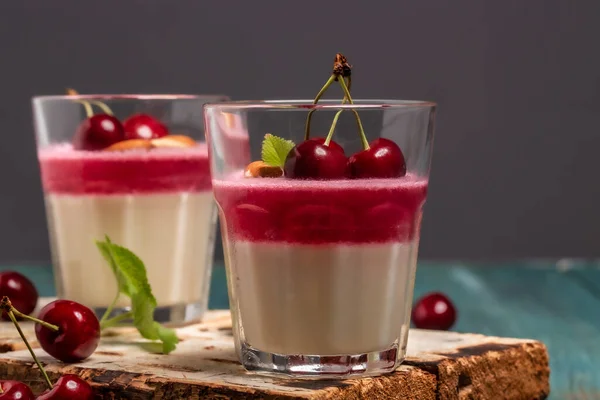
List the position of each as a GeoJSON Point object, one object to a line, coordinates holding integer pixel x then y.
{"type": "Point", "coordinates": [321, 272]}
{"type": "Point", "coordinates": [119, 176]}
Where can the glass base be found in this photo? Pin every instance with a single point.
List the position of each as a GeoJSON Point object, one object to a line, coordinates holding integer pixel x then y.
{"type": "Point", "coordinates": [175, 314]}
{"type": "Point", "coordinates": [321, 367]}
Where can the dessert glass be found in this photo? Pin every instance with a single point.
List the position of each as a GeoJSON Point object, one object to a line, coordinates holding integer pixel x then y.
{"type": "Point", "coordinates": [151, 196]}
{"type": "Point", "coordinates": [320, 272]}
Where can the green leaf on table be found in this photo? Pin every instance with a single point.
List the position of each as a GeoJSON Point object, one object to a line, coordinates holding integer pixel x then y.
{"type": "Point", "coordinates": [168, 337]}
{"type": "Point", "coordinates": [143, 312]}
{"type": "Point", "coordinates": [132, 280]}
{"type": "Point", "coordinates": [275, 150]}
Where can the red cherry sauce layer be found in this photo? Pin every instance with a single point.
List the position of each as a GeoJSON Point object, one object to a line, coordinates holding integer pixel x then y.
{"type": "Point", "coordinates": [76, 172]}
{"type": "Point", "coordinates": [319, 212]}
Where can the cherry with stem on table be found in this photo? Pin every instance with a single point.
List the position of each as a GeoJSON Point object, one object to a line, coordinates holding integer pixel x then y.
{"type": "Point", "coordinates": [68, 386]}
{"type": "Point", "coordinates": [78, 333]}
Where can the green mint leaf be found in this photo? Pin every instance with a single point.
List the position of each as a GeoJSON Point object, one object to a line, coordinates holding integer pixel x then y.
{"type": "Point", "coordinates": [168, 337]}
{"type": "Point", "coordinates": [121, 279]}
{"type": "Point", "coordinates": [275, 150]}
{"type": "Point", "coordinates": [143, 316]}
{"type": "Point", "coordinates": [143, 320]}
{"type": "Point", "coordinates": [128, 269]}
{"type": "Point", "coordinates": [132, 280]}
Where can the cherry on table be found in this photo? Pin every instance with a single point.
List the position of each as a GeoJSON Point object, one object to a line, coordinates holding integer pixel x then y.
{"type": "Point", "coordinates": [332, 144]}
{"type": "Point", "coordinates": [144, 126]}
{"type": "Point", "coordinates": [78, 335]}
{"type": "Point", "coordinates": [15, 390]}
{"type": "Point", "coordinates": [383, 159]}
{"type": "Point", "coordinates": [312, 160]}
{"type": "Point", "coordinates": [69, 387]}
{"type": "Point", "coordinates": [98, 132]}
{"type": "Point", "coordinates": [21, 291]}
{"type": "Point", "coordinates": [434, 311]}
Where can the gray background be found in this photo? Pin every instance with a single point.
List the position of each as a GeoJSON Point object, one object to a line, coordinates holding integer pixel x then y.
{"type": "Point", "coordinates": [518, 85]}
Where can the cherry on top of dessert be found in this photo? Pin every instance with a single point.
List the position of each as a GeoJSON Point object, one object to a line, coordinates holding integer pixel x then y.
{"type": "Point", "coordinates": [104, 131]}
{"type": "Point", "coordinates": [324, 159]}
{"type": "Point", "coordinates": [144, 126]}
{"type": "Point", "coordinates": [98, 132]}
{"type": "Point", "coordinates": [333, 145]}
{"type": "Point", "coordinates": [383, 159]}
{"type": "Point", "coordinates": [312, 160]}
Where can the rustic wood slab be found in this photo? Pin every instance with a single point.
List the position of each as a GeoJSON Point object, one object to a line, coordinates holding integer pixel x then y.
{"type": "Point", "coordinates": [440, 365]}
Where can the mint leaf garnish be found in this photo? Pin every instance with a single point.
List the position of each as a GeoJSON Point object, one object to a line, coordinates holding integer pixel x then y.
{"type": "Point", "coordinates": [275, 150]}
{"type": "Point", "coordinates": [128, 268]}
{"type": "Point", "coordinates": [132, 280]}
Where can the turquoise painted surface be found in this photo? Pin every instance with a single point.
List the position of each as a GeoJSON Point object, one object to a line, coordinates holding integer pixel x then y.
{"type": "Point", "coordinates": [555, 302]}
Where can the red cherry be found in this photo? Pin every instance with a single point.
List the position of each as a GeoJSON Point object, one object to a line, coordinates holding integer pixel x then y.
{"type": "Point", "coordinates": [434, 311]}
{"type": "Point", "coordinates": [144, 126]}
{"type": "Point", "coordinates": [98, 132]}
{"type": "Point", "coordinates": [20, 290]}
{"type": "Point", "coordinates": [15, 390]}
{"type": "Point", "coordinates": [69, 387]}
{"type": "Point", "coordinates": [383, 159]}
{"type": "Point", "coordinates": [78, 334]}
{"type": "Point", "coordinates": [311, 160]}
{"type": "Point", "coordinates": [332, 144]}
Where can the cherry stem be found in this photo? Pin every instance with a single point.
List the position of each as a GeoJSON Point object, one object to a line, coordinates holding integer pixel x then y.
{"type": "Point", "coordinates": [110, 308]}
{"type": "Point", "coordinates": [11, 315]}
{"type": "Point", "coordinates": [349, 85]}
{"type": "Point", "coordinates": [337, 115]}
{"type": "Point", "coordinates": [36, 320]}
{"type": "Point", "coordinates": [329, 82]}
{"type": "Point", "coordinates": [102, 106]}
{"type": "Point", "coordinates": [1, 390]}
{"type": "Point", "coordinates": [88, 104]}
{"type": "Point", "coordinates": [332, 129]}
{"type": "Point", "coordinates": [88, 108]}
{"type": "Point", "coordinates": [108, 323]}
{"type": "Point", "coordinates": [363, 137]}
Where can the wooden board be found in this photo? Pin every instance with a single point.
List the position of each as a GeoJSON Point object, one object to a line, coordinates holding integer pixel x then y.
{"type": "Point", "coordinates": [440, 365]}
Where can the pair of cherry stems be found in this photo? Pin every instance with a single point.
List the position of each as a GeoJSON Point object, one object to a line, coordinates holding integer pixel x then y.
{"type": "Point", "coordinates": [347, 97]}
{"type": "Point", "coordinates": [7, 307]}
{"type": "Point", "coordinates": [88, 104]}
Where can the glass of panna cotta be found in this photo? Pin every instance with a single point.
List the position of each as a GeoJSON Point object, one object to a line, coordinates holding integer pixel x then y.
{"type": "Point", "coordinates": [133, 168]}
{"type": "Point", "coordinates": [321, 235]}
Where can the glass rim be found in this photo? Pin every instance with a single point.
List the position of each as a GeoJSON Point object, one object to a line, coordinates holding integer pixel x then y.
{"type": "Point", "coordinates": [133, 96]}
{"type": "Point", "coordinates": [323, 104]}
